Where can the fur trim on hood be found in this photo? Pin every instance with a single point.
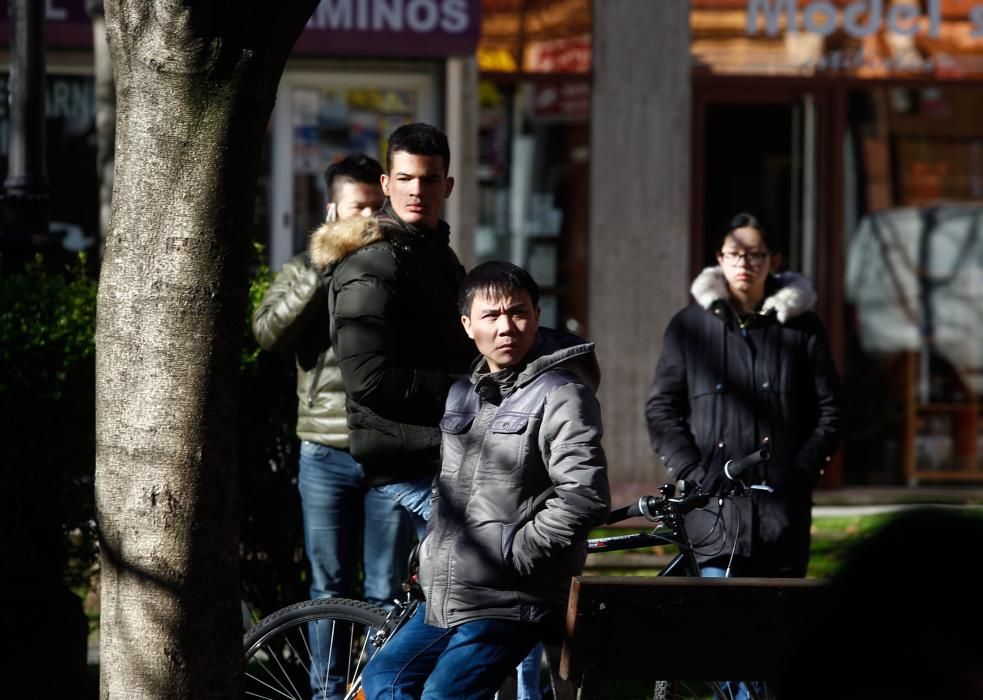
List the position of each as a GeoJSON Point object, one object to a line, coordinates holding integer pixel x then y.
{"type": "Point", "coordinates": [793, 296]}
{"type": "Point", "coordinates": [334, 241]}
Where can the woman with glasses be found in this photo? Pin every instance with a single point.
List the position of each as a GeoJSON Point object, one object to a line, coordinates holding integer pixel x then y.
{"type": "Point", "coordinates": [744, 367]}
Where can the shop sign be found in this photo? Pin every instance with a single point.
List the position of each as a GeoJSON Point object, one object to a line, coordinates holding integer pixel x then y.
{"type": "Point", "coordinates": [808, 21]}
{"type": "Point", "coordinates": [859, 19]}
{"type": "Point", "coordinates": [565, 55]}
{"type": "Point", "coordinates": [403, 28]}
{"type": "Point", "coordinates": [563, 100]}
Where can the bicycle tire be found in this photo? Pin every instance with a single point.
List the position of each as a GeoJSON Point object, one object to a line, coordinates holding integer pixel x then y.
{"type": "Point", "coordinates": [313, 649]}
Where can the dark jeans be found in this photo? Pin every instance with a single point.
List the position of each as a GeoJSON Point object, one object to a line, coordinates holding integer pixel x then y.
{"type": "Point", "coordinates": [467, 662]}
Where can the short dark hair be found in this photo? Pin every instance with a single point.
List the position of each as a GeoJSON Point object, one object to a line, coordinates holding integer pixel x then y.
{"type": "Point", "coordinates": [357, 167]}
{"type": "Point", "coordinates": [421, 140]}
{"type": "Point", "coordinates": [496, 278]}
{"type": "Point", "coordinates": [743, 220]}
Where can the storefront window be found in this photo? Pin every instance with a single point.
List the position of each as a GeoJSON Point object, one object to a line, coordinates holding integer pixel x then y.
{"type": "Point", "coordinates": [852, 127]}
{"type": "Point", "coordinates": [914, 272]}
{"type": "Point", "coordinates": [535, 58]}
{"type": "Point", "coordinates": [329, 124]}
{"type": "Point", "coordinates": [533, 177]}
{"type": "Point", "coordinates": [322, 117]}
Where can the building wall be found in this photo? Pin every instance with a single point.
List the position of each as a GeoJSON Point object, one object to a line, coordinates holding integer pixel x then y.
{"type": "Point", "coordinates": [639, 219]}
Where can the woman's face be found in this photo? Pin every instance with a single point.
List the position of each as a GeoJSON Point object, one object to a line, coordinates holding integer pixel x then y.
{"type": "Point", "coordinates": [746, 261]}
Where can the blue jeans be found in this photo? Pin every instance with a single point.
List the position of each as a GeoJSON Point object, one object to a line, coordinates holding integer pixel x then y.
{"type": "Point", "coordinates": [467, 662]}
{"type": "Point", "coordinates": [736, 689]}
{"type": "Point", "coordinates": [347, 524]}
{"type": "Point", "coordinates": [414, 496]}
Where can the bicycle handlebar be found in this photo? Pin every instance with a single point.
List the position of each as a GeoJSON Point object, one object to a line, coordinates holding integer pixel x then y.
{"type": "Point", "coordinates": [732, 469]}
{"type": "Point", "coordinates": [640, 508]}
{"type": "Point", "coordinates": [653, 507]}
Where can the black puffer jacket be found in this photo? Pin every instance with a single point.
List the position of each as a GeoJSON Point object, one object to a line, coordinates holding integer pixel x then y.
{"type": "Point", "coordinates": [523, 481]}
{"type": "Point", "coordinates": [721, 392]}
{"type": "Point", "coordinates": [397, 337]}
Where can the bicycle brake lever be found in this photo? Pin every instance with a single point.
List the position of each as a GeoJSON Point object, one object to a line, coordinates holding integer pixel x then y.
{"type": "Point", "coordinates": [762, 487]}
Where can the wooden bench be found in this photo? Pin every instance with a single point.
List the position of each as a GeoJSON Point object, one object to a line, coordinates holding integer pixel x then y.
{"type": "Point", "coordinates": [633, 628]}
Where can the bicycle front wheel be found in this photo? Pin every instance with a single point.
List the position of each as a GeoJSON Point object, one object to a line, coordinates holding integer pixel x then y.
{"type": "Point", "coordinates": [313, 650]}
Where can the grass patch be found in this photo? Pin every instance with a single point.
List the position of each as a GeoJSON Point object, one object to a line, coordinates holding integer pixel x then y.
{"type": "Point", "coordinates": [833, 540]}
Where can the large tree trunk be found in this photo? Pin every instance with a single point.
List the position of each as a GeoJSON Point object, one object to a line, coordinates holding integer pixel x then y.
{"type": "Point", "coordinates": [105, 88]}
{"type": "Point", "coordinates": [195, 87]}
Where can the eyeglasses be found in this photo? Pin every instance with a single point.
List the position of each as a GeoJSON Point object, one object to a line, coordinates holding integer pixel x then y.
{"type": "Point", "coordinates": [754, 258]}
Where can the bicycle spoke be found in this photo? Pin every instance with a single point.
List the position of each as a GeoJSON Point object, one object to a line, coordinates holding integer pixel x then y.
{"type": "Point", "coordinates": [294, 673]}
{"type": "Point", "coordinates": [356, 678]}
{"type": "Point", "coordinates": [327, 666]}
{"type": "Point", "coordinates": [286, 675]}
{"type": "Point", "coordinates": [275, 690]}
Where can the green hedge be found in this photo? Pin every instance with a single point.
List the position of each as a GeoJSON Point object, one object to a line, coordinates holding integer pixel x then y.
{"type": "Point", "coordinates": [47, 384]}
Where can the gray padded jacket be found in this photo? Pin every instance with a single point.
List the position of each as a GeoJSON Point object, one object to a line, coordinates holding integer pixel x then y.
{"type": "Point", "coordinates": [523, 480]}
{"type": "Point", "coordinates": [293, 318]}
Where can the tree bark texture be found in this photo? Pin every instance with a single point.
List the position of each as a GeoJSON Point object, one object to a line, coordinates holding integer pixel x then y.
{"type": "Point", "coordinates": [196, 83]}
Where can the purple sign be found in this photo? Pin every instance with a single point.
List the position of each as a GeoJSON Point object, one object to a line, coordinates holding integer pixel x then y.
{"type": "Point", "coordinates": [68, 26]}
{"type": "Point", "coordinates": [394, 28]}
{"type": "Point", "coordinates": [404, 28]}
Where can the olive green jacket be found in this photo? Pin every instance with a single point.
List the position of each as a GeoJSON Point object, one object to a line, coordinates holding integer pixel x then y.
{"type": "Point", "coordinates": [293, 318]}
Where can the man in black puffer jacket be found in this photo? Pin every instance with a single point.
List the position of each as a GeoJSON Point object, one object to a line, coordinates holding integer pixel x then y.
{"type": "Point", "coordinates": [395, 327]}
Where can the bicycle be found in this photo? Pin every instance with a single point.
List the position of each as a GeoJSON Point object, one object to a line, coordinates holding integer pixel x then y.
{"type": "Point", "coordinates": [282, 659]}
{"type": "Point", "coordinates": [669, 511]}
{"type": "Point", "coordinates": [318, 648]}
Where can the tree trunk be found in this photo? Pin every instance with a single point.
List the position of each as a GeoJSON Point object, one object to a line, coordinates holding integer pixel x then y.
{"type": "Point", "coordinates": [105, 88]}
{"type": "Point", "coordinates": [195, 88]}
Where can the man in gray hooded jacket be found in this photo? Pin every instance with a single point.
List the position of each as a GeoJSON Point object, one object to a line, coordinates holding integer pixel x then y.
{"type": "Point", "coordinates": [523, 480]}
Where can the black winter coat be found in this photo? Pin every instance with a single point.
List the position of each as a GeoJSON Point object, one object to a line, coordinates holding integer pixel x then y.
{"type": "Point", "coordinates": [397, 336]}
{"type": "Point", "coordinates": [721, 392]}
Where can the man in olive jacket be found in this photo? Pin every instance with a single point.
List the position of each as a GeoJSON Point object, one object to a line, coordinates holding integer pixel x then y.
{"type": "Point", "coordinates": [523, 480]}
{"type": "Point", "coordinates": [345, 521]}
{"type": "Point", "coordinates": [395, 326]}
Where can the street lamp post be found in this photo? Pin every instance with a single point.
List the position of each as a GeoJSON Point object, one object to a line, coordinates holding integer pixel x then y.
{"type": "Point", "coordinates": [26, 191]}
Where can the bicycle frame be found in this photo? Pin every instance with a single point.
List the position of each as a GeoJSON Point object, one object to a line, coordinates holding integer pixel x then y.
{"type": "Point", "coordinates": [683, 564]}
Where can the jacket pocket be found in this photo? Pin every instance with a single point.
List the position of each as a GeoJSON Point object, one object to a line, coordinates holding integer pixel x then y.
{"type": "Point", "coordinates": [480, 562]}
{"type": "Point", "coordinates": [454, 428]}
{"type": "Point", "coordinates": [510, 424]}
{"type": "Point", "coordinates": [456, 423]}
{"type": "Point", "coordinates": [505, 447]}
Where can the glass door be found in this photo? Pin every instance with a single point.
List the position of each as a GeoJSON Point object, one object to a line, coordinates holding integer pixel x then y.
{"type": "Point", "coordinates": [324, 116]}
{"type": "Point", "coordinates": [758, 156]}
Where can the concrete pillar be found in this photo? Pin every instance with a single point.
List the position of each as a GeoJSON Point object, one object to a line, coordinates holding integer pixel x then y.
{"type": "Point", "coordinates": [639, 218]}
{"type": "Point", "coordinates": [461, 210]}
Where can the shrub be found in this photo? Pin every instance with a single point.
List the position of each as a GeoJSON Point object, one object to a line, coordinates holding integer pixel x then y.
{"type": "Point", "coordinates": [47, 385]}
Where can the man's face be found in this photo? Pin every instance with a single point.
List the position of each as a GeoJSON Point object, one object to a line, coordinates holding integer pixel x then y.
{"type": "Point", "coordinates": [745, 260]}
{"type": "Point", "coordinates": [503, 328]}
{"type": "Point", "coordinates": [355, 199]}
{"type": "Point", "coordinates": [417, 187]}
